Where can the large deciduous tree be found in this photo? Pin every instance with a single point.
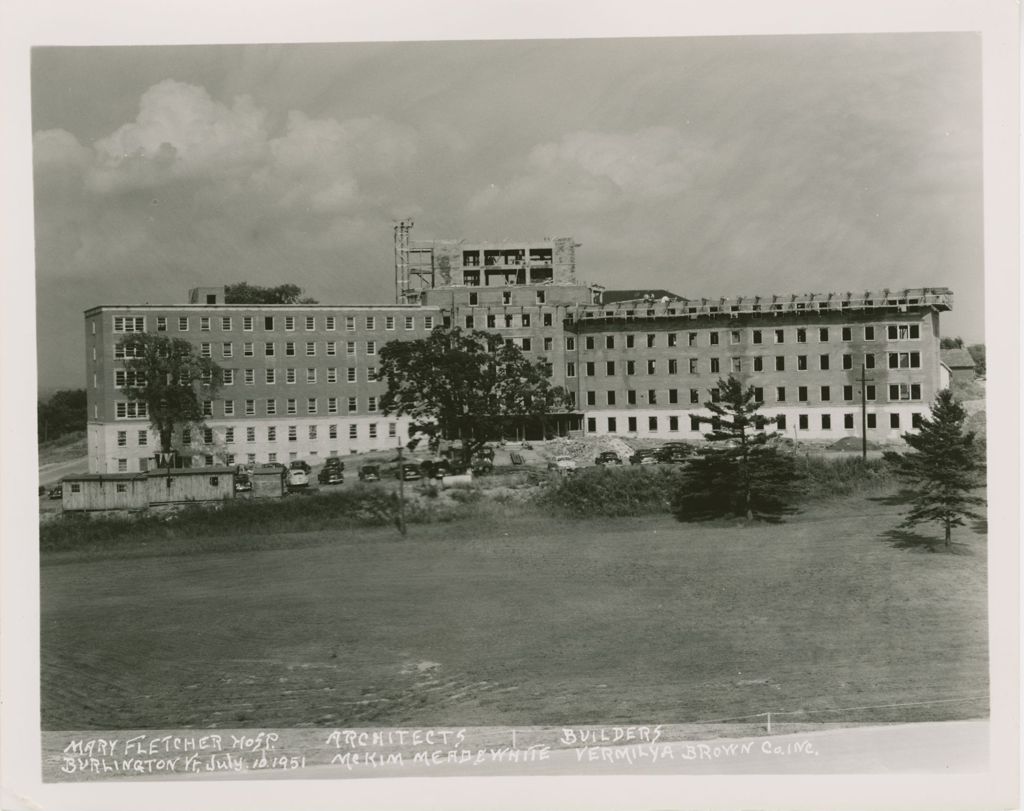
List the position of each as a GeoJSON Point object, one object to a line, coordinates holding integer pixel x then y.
{"type": "Point", "coordinates": [944, 469]}
{"type": "Point", "coordinates": [245, 293]}
{"type": "Point", "coordinates": [471, 386]}
{"type": "Point", "coordinates": [740, 471]}
{"type": "Point", "coordinates": [171, 379]}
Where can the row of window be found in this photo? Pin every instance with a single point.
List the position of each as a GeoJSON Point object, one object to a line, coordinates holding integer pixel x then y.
{"type": "Point", "coordinates": [540, 296]}
{"type": "Point", "coordinates": [898, 392]}
{"type": "Point", "coordinates": [800, 335]}
{"type": "Point", "coordinates": [124, 378]}
{"type": "Point", "coordinates": [230, 434]}
{"type": "Point", "coordinates": [896, 360]}
{"type": "Point", "coordinates": [128, 409]}
{"type": "Point", "coordinates": [206, 323]}
{"type": "Point", "coordinates": [508, 320]}
{"type": "Point", "coordinates": [697, 425]}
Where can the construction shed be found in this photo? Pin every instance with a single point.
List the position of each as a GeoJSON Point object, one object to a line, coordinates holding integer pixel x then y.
{"type": "Point", "coordinates": [94, 492]}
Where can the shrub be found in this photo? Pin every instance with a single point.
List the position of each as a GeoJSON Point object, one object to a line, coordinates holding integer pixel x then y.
{"type": "Point", "coordinates": [613, 491]}
{"type": "Point", "coordinates": [845, 476]}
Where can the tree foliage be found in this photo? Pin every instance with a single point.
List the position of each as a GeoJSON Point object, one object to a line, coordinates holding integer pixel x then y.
{"type": "Point", "coordinates": [977, 352]}
{"type": "Point", "coordinates": [472, 386]}
{"type": "Point", "coordinates": [245, 293]}
{"type": "Point", "coordinates": [63, 413]}
{"type": "Point", "coordinates": [167, 375]}
{"type": "Point", "coordinates": [741, 472]}
{"type": "Point", "coordinates": [944, 468]}
{"type": "Point", "coordinates": [951, 343]}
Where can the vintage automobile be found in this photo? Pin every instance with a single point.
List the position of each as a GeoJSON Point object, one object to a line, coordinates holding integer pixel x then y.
{"type": "Point", "coordinates": [644, 456]}
{"type": "Point", "coordinates": [675, 452]}
{"type": "Point", "coordinates": [243, 484]}
{"type": "Point", "coordinates": [408, 471]}
{"type": "Point", "coordinates": [334, 462]}
{"type": "Point", "coordinates": [296, 479]}
{"type": "Point", "coordinates": [607, 458]}
{"type": "Point", "coordinates": [57, 492]}
{"type": "Point", "coordinates": [299, 464]}
{"type": "Point", "coordinates": [330, 475]}
{"type": "Point", "coordinates": [564, 465]}
{"type": "Point", "coordinates": [369, 473]}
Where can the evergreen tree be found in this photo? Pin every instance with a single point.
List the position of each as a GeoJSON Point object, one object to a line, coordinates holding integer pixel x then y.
{"type": "Point", "coordinates": [944, 469]}
{"type": "Point", "coordinates": [740, 472]}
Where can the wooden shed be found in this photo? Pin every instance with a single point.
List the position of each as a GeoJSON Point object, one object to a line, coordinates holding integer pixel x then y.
{"type": "Point", "coordinates": [90, 492]}
{"type": "Point", "coordinates": [268, 482]}
{"type": "Point", "coordinates": [190, 484]}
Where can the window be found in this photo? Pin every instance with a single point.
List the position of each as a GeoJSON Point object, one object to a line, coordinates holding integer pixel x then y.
{"type": "Point", "coordinates": [869, 393]}
{"type": "Point", "coordinates": [373, 430]}
{"type": "Point", "coordinates": [822, 334]}
{"type": "Point", "coordinates": [589, 342]}
{"type": "Point", "coordinates": [611, 397]}
{"type": "Point", "coordinates": [271, 375]}
{"type": "Point", "coordinates": [823, 363]}
{"type": "Point", "coordinates": [183, 323]}
{"type": "Point", "coordinates": [652, 423]}
{"type": "Point", "coordinates": [869, 333]}
{"type": "Point", "coordinates": [847, 393]}
{"type": "Point", "coordinates": [122, 439]}
{"type": "Point", "coordinates": [714, 339]}
{"type": "Point", "coordinates": [310, 375]}
{"type": "Point", "coordinates": [590, 368]}
{"type": "Point", "coordinates": [612, 425]}
{"type": "Point", "coordinates": [229, 408]}
{"type": "Point", "coordinates": [780, 336]}
{"type": "Point", "coordinates": [801, 363]}
{"type": "Point", "coordinates": [350, 348]}
{"type": "Point", "coordinates": [353, 406]}
{"type": "Point", "coordinates": [570, 370]}
{"type": "Point", "coordinates": [610, 368]}
{"type": "Point", "coordinates": [161, 324]}
{"type": "Point", "coordinates": [525, 319]}
{"type": "Point", "coordinates": [227, 350]}
{"type": "Point", "coordinates": [694, 396]}
{"type": "Point", "coordinates": [289, 375]}
{"type": "Point", "coordinates": [350, 323]}
{"type": "Point", "coordinates": [332, 348]}
{"type": "Point", "coordinates": [526, 344]}
{"type": "Point", "coordinates": [271, 407]}
{"type": "Point", "coordinates": [801, 394]}
{"type": "Point", "coordinates": [915, 420]}
{"type": "Point", "coordinates": [673, 423]}
{"type": "Point", "coordinates": [570, 344]}
{"type": "Point", "coordinates": [129, 323]}
{"type": "Point", "coordinates": [229, 434]}
{"type": "Point", "coordinates": [469, 322]}
{"type": "Point", "coordinates": [311, 432]}
{"type": "Point", "coordinates": [207, 436]}
{"type": "Point", "coordinates": [548, 343]}
{"type": "Point", "coordinates": [408, 322]}
{"type": "Point", "coordinates": [312, 406]}
{"type": "Point", "coordinates": [847, 333]}
{"type": "Point", "coordinates": [371, 404]}
{"type": "Point", "coordinates": [332, 375]}
{"type": "Point", "coordinates": [801, 335]}
{"type": "Point", "coordinates": [310, 349]}
{"type": "Point", "coordinates": [310, 323]}
{"type": "Point", "coordinates": [737, 364]}
{"type": "Point", "coordinates": [780, 394]}
{"type": "Point", "coordinates": [268, 349]}
{"type": "Point", "coordinates": [122, 465]}
{"type": "Point", "coordinates": [428, 322]}
{"type": "Point", "coordinates": [904, 332]}
{"type": "Point", "coordinates": [826, 422]}
{"type": "Point", "coordinates": [371, 322]}
{"type": "Point", "coordinates": [630, 367]}
{"type": "Point", "coordinates": [353, 431]}
{"type": "Point", "coordinates": [755, 336]}
{"type": "Point", "coordinates": [694, 423]}
{"type": "Point", "coordinates": [904, 360]}
{"type": "Point", "coordinates": [293, 433]}
{"type": "Point", "coordinates": [780, 363]}
{"type": "Point", "coordinates": [204, 323]}
{"type": "Point", "coordinates": [128, 378]}
{"type": "Point", "coordinates": [250, 377]}
{"type": "Point", "coordinates": [332, 405]}
{"type": "Point", "coordinates": [872, 421]}
{"type": "Point", "coordinates": [289, 323]}
{"type": "Point", "coordinates": [291, 406]}
{"type": "Point", "coordinates": [130, 409]}
{"type": "Point", "coordinates": [905, 391]}
{"type": "Point", "coordinates": [652, 397]}
{"type": "Point", "coordinates": [734, 336]}
{"type": "Point", "coordinates": [652, 367]}
{"type": "Point", "coordinates": [802, 422]}
{"type": "Point", "coordinates": [371, 347]}
{"type": "Point", "coordinates": [758, 364]}
{"type": "Point", "coordinates": [591, 398]}
{"type": "Point", "coordinates": [869, 361]}
{"type": "Point", "coordinates": [250, 408]}
{"type": "Point", "coordinates": [247, 323]}
{"type": "Point", "coordinates": [673, 366]}
{"type": "Point", "coordinates": [268, 322]}
{"type": "Point", "coordinates": [691, 339]}
{"type": "Point", "coordinates": [247, 349]}
{"type": "Point", "coordinates": [894, 420]}
{"type": "Point", "coordinates": [826, 394]}
{"type": "Point", "coordinates": [692, 365]}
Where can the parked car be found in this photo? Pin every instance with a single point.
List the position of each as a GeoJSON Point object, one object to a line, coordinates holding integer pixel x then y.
{"type": "Point", "coordinates": [563, 464]}
{"type": "Point", "coordinates": [675, 453]}
{"type": "Point", "coordinates": [57, 492]}
{"type": "Point", "coordinates": [435, 469]}
{"type": "Point", "coordinates": [297, 479]}
{"type": "Point", "coordinates": [273, 466]}
{"type": "Point", "coordinates": [330, 475]}
{"type": "Point", "coordinates": [644, 456]}
{"type": "Point", "coordinates": [334, 462]}
{"type": "Point", "coordinates": [243, 484]}
{"type": "Point", "coordinates": [299, 464]}
{"type": "Point", "coordinates": [42, 490]}
{"type": "Point", "coordinates": [369, 473]}
{"type": "Point", "coordinates": [408, 471]}
{"type": "Point", "coordinates": [607, 458]}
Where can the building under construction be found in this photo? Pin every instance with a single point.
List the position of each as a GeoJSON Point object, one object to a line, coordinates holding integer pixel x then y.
{"type": "Point", "coordinates": [301, 382]}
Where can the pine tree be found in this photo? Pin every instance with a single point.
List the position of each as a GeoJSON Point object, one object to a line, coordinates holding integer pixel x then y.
{"type": "Point", "coordinates": [944, 469]}
{"type": "Point", "coordinates": [740, 472]}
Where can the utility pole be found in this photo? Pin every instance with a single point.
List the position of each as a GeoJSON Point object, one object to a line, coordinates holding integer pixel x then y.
{"type": "Point", "coordinates": [864, 411]}
{"type": "Point", "coordinates": [401, 491]}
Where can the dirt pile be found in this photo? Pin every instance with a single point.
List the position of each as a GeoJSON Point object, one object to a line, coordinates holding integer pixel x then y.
{"type": "Point", "coordinates": [586, 448]}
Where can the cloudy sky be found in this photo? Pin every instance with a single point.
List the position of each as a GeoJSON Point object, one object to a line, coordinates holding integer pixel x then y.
{"type": "Point", "coordinates": [708, 166]}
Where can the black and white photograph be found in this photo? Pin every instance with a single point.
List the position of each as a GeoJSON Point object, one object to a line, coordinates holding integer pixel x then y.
{"type": "Point", "coordinates": [511, 404]}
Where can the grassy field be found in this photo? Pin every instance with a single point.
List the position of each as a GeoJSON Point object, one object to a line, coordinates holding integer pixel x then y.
{"type": "Point", "coordinates": [518, 620]}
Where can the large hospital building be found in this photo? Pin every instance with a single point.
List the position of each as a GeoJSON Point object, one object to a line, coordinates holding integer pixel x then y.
{"type": "Point", "coordinates": [300, 380]}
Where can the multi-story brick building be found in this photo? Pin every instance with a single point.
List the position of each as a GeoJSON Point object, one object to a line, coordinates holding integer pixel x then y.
{"type": "Point", "coordinates": [300, 380]}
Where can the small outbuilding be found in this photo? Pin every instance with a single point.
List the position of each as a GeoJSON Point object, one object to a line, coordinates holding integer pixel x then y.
{"type": "Point", "coordinates": [95, 492]}
{"type": "Point", "coordinates": [268, 482]}
{"type": "Point", "coordinates": [960, 364]}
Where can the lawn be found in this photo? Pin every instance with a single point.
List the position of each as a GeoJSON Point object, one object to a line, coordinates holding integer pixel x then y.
{"type": "Point", "coordinates": [525, 621]}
